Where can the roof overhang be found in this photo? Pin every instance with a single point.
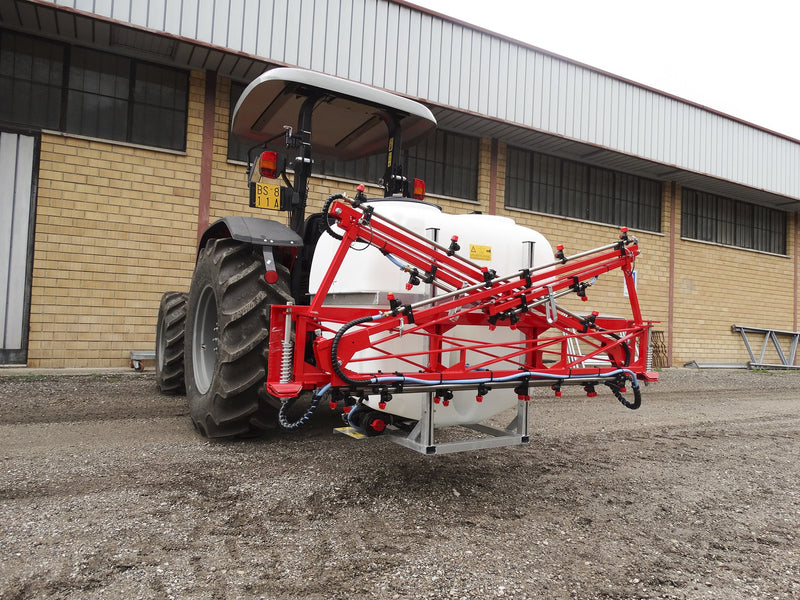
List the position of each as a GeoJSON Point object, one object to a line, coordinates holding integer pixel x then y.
{"type": "Point", "coordinates": [76, 27]}
{"type": "Point", "coordinates": [549, 143]}
{"type": "Point", "coordinates": [72, 26]}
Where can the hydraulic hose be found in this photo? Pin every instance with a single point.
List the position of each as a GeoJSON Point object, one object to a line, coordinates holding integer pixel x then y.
{"type": "Point", "coordinates": [335, 346]}
{"type": "Point", "coordinates": [490, 379]}
{"type": "Point", "coordinates": [283, 419]}
{"type": "Point", "coordinates": [325, 208]}
{"type": "Point", "coordinates": [637, 395]}
{"type": "Point", "coordinates": [395, 261]}
{"type": "Point", "coordinates": [637, 392]}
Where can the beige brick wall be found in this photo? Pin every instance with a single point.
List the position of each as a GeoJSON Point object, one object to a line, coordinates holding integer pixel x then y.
{"type": "Point", "coordinates": [484, 172]}
{"type": "Point", "coordinates": [716, 287]}
{"type": "Point", "coordinates": [116, 226]}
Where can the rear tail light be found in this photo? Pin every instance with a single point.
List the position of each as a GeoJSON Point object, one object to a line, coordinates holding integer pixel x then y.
{"type": "Point", "coordinates": [419, 189]}
{"type": "Point", "coordinates": [268, 165]}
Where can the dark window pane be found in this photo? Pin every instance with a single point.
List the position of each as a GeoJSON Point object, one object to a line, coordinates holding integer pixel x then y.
{"type": "Point", "coordinates": [557, 186]}
{"type": "Point", "coordinates": [31, 73]}
{"type": "Point", "coordinates": [447, 162]}
{"type": "Point", "coordinates": [159, 107]}
{"type": "Point", "coordinates": [710, 218]}
{"type": "Point", "coordinates": [97, 116]}
{"type": "Point", "coordinates": [364, 170]}
{"type": "Point", "coordinates": [97, 100]}
{"type": "Point", "coordinates": [104, 95]}
{"type": "Point", "coordinates": [518, 179]}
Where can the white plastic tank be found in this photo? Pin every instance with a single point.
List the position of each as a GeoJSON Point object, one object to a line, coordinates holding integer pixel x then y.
{"type": "Point", "coordinates": [366, 277]}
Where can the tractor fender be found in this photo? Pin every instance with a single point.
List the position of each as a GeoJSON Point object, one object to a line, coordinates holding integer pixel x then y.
{"type": "Point", "coordinates": [252, 230]}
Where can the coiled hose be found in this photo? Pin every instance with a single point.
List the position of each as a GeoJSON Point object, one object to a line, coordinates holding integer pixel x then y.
{"type": "Point", "coordinates": [286, 404]}
{"type": "Point", "coordinates": [637, 395]}
{"type": "Point", "coordinates": [325, 208]}
{"type": "Point", "coordinates": [335, 346]}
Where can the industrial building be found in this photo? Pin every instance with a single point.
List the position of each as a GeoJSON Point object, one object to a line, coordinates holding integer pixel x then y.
{"type": "Point", "coordinates": [115, 155]}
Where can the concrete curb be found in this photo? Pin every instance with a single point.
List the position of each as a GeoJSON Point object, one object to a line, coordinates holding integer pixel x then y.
{"type": "Point", "coordinates": [18, 371]}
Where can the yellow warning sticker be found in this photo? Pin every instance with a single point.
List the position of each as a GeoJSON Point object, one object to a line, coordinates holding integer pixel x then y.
{"type": "Point", "coordinates": [480, 252]}
{"type": "Point", "coordinates": [350, 431]}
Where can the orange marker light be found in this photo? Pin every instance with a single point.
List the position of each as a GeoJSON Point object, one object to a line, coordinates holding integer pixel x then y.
{"type": "Point", "coordinates": [419, 189]}
{"type": "Point", "coordinates": [268, 164]}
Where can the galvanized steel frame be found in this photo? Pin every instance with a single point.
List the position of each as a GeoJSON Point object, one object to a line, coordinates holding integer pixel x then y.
{"type": "Point", "coordinates": [770, 336]}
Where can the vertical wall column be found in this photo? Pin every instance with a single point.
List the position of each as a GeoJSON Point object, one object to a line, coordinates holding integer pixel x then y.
{"type": "Point", "coordinates": [207, 152]}
{"type": "Point", "coordinates": [493, 178]}
{"type": "Point", "coordinates": [673, 236]}
{"type": "Point", "coordinates": [796, 251]}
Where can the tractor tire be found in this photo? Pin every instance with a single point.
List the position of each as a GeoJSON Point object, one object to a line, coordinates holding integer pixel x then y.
{"type": "Point", "coordinates": [169, 343]}
{"type": "Point", "coordinates": [226, 339]}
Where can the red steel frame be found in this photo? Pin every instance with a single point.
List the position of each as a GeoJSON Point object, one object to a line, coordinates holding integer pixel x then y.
{"type": "Point", "coordinates": [466, 294]}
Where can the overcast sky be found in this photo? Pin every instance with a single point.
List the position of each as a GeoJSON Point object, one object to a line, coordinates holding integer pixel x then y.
{"type": "Point", "coordinates": [738, 57]}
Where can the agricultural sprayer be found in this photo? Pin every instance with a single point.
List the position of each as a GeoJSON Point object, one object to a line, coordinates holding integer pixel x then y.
{"type": "Point", "coordinates": [409, 320]}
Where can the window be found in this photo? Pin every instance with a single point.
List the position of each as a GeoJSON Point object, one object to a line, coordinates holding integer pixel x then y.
{"type": "Point", "coordinates": [556, 186]}
{"type": "Point", "coordinates": [31, 76]}
{"type": "Point", "coordinates": [711, 218]}
{"type": "Point", "coordinates": [448, 162]}
{"type": "Point", "coordinates": [367, 170]}
{"type": "Point", "coordinates": [92, 93]}
{"type": "Point", "coordinates": [97, 97]}
{"type": "Point", "coordinates": [159, 106]}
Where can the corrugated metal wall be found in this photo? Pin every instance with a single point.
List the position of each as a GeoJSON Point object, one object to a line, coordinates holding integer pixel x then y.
{"type": "Point", "coordinates": [17, 156]}
{"type": "Point", "coordinates": [396, 47]}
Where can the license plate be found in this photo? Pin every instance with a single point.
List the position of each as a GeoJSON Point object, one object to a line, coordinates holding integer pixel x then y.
{"type": "Point", "coordinates": [268, 195]}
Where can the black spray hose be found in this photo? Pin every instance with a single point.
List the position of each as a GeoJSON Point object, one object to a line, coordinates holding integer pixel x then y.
{"type": "Point", "coordinates": [305, 417]}
{"type": "Point", "coordinates": [335, 346]}
{"type": "Point", "coordinates": [614, 387]}
{"type": "Point", "coordinates": [637, 395]}
{"type": "Point", "coordinates": [325, 208]}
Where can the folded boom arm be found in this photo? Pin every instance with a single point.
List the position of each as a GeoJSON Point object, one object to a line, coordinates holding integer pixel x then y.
{"type": "Point", "coordinates": [526, 300]}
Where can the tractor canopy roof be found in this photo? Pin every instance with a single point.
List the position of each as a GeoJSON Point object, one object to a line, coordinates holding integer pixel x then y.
{"type": "Point", "coordinates": [349, 119]}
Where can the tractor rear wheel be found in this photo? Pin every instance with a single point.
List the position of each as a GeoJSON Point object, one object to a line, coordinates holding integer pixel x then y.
{"type": "Point", "coordinates": [226, 340]}
{"type": "Point", "coordinates": [169, 342]}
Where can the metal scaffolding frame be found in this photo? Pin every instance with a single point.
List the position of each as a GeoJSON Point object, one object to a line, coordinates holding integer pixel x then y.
{"type": "Point", "coordinates": [770, 335]}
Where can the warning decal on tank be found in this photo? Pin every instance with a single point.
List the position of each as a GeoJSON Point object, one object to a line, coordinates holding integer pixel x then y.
{"type": "Point", "coordinates": [480, 252]}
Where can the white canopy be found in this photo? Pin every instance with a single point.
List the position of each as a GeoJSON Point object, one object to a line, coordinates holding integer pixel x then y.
{"type": "Point", "coordinates": [349, 119]}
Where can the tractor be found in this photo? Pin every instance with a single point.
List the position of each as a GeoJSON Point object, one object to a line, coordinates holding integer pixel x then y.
{"type": "Point", "coordinates": [412, 322]}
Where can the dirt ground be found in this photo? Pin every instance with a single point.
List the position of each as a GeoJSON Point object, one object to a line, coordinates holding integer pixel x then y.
{"type": "Point", "coordinates": [108, 492]}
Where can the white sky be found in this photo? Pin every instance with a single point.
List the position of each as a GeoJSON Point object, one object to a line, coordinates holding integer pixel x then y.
{"type": "Point", "coordinates": [739, 57]}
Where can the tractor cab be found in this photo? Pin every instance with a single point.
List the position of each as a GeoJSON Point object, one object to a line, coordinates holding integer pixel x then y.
{"type": "Point", "coordinates": [304, 110]}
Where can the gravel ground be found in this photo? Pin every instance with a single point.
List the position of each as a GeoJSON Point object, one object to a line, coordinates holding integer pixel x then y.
{"type": "Point", "coordinates": [107, 492]}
